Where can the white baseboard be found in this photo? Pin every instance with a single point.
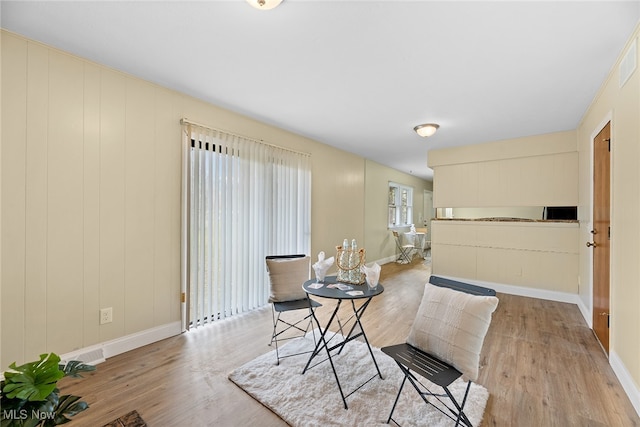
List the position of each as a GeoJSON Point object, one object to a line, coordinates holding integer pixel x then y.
{"type": "Point", "coordinates": [534, 293]}
{"type": "Point", "coordinates": [100, 352]}
{"type": "Point", "coordinates": [522, 291]}
{"type": "Point", "coordinates": [385, 260]}
{"type": "Point", "coordinates": [625, 378]}
{"type": "Point", "coordinates": [585, 313]}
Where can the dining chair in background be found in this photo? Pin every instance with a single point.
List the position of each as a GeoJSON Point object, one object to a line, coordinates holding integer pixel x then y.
{"type": "Point", "coordinates": [406, 250]}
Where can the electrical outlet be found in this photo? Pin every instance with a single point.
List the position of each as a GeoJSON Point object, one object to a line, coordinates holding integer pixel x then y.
{"type": "Point", "coordinates": [106, 315]}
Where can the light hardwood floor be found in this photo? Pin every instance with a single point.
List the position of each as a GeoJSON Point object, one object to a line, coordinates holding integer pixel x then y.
{"type": "Point", "coordinates": [540, 363]}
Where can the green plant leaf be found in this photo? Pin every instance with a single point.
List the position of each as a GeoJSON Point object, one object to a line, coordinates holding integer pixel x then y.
{"type": "Point", "coordinates": [31, 389]}
{"type": "Point", "coordinates": [74, 367]}
{"type": "Point", "coordinates": [33, 381]}
{"type": "Point", "coordinates": [68, 407]}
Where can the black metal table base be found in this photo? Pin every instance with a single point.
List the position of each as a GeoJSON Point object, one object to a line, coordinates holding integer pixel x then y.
{"type": "Point", "coordinates": [323, 344]}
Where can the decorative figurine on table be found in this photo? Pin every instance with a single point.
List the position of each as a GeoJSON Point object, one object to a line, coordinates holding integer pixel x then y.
{"type": "Point", "coordinates": [322, 266]}
{"type": "Point", "coordinates": [372, 274]}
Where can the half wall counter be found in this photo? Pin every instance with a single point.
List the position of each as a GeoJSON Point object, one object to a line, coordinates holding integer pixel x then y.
{"type": "Point", "coordinates": [540, 254]}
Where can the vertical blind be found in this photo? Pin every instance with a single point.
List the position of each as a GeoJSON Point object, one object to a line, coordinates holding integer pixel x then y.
{"type": "Point", "coordinates": [244, 199]}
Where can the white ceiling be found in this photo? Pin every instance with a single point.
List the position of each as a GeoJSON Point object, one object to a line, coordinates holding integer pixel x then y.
{"type": "Point", "coordinates": [358, 75]}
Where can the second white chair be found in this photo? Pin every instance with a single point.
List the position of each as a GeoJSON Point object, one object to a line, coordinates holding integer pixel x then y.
{"type": "Point", "coordinates": [406, 250]}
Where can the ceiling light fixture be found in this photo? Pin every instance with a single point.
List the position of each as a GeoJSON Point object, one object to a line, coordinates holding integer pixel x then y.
{"type": "Point", "coordinates": [264, 4]}
{"type": "Point", "coordinates": [426, 129]}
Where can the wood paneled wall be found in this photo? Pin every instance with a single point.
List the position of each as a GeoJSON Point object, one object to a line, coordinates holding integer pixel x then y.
{"type": "Point", "coordinates": [89, 190]}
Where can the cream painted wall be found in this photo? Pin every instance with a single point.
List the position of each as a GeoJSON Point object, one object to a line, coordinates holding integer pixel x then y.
{"type": "Point", "coordinates": [90, 197]}
{"type": "Point", "coordinates": [337, 198]}
{"type": "Point", "coordinates": [538, 170]}
{"type": "Point", "coordinates": [379, 241]}
{"type": "Point", "coordinates": [621, 106]}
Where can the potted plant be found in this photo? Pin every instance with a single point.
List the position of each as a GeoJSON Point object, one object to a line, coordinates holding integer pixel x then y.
{"type": "Point", "coordinates": [30, 396]}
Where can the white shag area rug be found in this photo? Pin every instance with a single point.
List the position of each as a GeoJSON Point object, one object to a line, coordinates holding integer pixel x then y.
{"type": "Point", "coordinates": [313, 399]}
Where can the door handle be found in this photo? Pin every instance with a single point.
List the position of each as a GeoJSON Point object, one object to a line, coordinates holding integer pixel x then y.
{"type": "Point", "coordinates": [591, 244]}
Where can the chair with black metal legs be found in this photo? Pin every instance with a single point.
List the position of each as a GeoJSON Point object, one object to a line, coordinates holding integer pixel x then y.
{"type": "Point", "coordinates": [444, 344]}
{"type": "Point", "coordinates": [406, 250]}
{"type": "Point", "coordinates": [287, 273]}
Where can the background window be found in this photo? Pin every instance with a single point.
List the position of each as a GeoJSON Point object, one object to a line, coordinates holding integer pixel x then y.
{"type": "Point", "coordinates": [400, 205]}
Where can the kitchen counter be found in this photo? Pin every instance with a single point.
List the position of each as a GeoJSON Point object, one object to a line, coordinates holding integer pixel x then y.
{"type": "Point", "coordinates": [508, 219]}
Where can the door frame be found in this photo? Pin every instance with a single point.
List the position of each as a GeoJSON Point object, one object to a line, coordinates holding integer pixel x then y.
{"type": "Point", "coordinates": [427, 216]}
{"type": "Point", "coordinates": [585, 232]}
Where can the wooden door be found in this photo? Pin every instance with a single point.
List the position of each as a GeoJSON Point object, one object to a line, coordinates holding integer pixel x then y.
{"type": "Point", "coordinates": [601, 234]}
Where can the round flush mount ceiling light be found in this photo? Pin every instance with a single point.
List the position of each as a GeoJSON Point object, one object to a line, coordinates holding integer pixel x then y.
{"type": "Point", "coordinates": [264, 4]}
{"type": "Point", "coordinates": [426, 129]}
